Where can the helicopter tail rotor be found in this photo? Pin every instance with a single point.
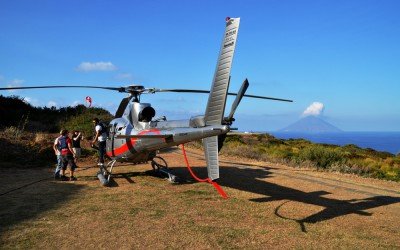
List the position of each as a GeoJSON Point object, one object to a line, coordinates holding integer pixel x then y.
{"type": "Point", "coordinates": [235, 104]}
{"type": "Point", "coordinates": [229, 119]}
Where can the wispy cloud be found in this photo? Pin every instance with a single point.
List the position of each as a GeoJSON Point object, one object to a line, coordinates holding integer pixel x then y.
{"type": "Point", "coordinates": [315, 109]}
{"type": "Point", "coordinates": [14, 83]}
{"type": "Point", "coordinates": [32, 101]}
{"type": "Point", "coordinates": [51, 104]}
{"type": "Point", "coordinates": [96, 66]}
{"type": "Point", "coordinates": [76, 103]}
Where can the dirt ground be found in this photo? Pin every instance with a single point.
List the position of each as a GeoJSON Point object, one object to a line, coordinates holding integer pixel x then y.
{"type": "Point", "coordinates": [269, 206]}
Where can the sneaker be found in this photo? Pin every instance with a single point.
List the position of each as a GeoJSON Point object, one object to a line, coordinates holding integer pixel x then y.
{"type": "Point", "coordinates": [72, 178]}
{"type": "Point", "coordinates": [64, 178]}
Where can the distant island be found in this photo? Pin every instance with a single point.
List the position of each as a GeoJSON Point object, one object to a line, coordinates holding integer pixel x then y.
{"type": "Point", "coordinates": [317, 130]}
{"type": "Point", "coordinates": [311, 124]}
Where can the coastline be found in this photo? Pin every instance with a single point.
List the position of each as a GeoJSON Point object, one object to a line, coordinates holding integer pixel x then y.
{"type": "Point", "coordinates": [377, 140]}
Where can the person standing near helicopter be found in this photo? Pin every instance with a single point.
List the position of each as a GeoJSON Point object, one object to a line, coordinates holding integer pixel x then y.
{"type": "Point", "coordinates": [76, 144]}
{"type": "Point", "coordinates": [67, 155]}
{"type": "Point", "coordinates": [101, 137]}
{"type": "Point", "coordinates": [59, 159]}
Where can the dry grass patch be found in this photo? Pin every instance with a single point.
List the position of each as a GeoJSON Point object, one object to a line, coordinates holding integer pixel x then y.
{"type": "Point", "coordinates": [143, 211]}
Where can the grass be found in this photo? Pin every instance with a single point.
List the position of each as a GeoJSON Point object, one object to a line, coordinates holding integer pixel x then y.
{"type": "Point", "coordinates": [161, 215]}
{"type": "Point", "coordinates": [303, 153]}
{"type": "Point", "coordinates": [148, 212]}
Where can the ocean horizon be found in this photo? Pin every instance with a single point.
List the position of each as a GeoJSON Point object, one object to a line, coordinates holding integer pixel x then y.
{"type": "Point", "coordinates": [380, 141]}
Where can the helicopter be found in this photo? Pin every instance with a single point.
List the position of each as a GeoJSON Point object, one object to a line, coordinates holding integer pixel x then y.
{"type": "Point", "coordinates": [135, 137]}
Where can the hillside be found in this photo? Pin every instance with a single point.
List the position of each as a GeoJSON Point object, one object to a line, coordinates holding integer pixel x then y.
{"type": "Point", "coordinates": [22, 116]}
{"type": "Point", "coordinates": [27, 133]}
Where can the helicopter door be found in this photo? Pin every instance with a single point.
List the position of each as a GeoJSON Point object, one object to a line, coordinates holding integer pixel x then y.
{"type": "Point", "coordinates": [111, 142]}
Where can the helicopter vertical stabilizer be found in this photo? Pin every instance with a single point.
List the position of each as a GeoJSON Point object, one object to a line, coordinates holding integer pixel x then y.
{"type": "Point", "coordinates": [210, 145]}
{"type": "Point", "coordinates": [219, 90]}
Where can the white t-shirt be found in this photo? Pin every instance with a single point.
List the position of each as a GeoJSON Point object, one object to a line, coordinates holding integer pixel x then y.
{"type": "Point", "coordinates": [103, 134]}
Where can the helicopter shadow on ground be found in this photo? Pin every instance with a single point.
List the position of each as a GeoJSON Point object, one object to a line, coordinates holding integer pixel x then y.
{"type": "Point", "coordinates": [253, 180]}
{"type": "Point", "coordinates": [31, 201]}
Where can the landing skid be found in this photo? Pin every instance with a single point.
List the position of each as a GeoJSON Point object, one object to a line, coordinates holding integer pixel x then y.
{"type": "Point", "coordinates": [160, 167]}
{"type": "Point", "coordinates": [104, 175]}
{"type": "Point", "coordinates": [158, 164]}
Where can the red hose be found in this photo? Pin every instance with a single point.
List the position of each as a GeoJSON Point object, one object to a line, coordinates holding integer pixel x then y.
{"type": "Point", "coordinates": [216, 186]}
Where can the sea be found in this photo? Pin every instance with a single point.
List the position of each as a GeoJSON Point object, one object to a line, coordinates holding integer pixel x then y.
{"type": "Point", "coordinates": [380, 141]}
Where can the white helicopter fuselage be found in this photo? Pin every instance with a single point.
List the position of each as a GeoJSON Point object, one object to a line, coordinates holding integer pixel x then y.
{"type": "Point", "coordinates": [136, 140]}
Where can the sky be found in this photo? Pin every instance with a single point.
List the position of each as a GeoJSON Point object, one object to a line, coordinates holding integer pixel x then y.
{"type": "Point", "coordinates": [338, 60]}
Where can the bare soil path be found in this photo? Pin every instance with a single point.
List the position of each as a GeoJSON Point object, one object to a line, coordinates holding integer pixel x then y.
{"type": "Point", "coordinates": [270, 206]}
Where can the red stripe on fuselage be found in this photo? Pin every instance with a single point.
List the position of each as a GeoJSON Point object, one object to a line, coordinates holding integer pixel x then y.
{"type": "Point", "coordinates": [131, 143]}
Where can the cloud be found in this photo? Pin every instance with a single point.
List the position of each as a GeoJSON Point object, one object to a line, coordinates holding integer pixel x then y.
{"type": "Point", "coordinates": [32, 101]}
{"type": "Point", "coordinates": [14, 83]}
{"type": "Point", "coordinates": [315, 109]}
{"type": "Point", "coordinates": [51, 104]}
{"type": "Point", "coordinates": [76, 103]}
{"type": "Point", "coordinates": [96, 66]}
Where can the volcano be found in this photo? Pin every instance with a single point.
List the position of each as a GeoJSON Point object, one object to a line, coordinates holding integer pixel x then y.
{"type": "Point", "coordinates": [311, 124]}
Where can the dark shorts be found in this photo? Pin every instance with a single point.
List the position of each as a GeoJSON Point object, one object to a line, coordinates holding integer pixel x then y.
{"type": "Point", "coordinates": [68, 160]}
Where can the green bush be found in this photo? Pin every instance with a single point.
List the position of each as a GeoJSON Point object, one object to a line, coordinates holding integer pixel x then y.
{"type": "Point", "coordinates": [322, 156]}
{"type": "Point", "coordinates": [83, 122]}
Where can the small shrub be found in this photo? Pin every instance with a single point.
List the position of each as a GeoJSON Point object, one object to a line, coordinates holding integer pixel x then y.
{"type": "Point", "coordinates": [322, 156]}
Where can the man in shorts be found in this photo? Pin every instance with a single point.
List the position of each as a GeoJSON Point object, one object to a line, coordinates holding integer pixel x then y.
{"type": "Point", "coordinates": [76, 145]}
{"type": "Point", "coordinates": [67, 156]}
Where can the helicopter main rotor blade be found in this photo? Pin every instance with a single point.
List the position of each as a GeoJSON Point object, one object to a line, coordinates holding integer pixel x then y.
{"type": "Point", "coordinates": [207, 92]}
{"type": "Point", "coordinates": [119, 89]}
{"type": "Point", "coordinates": [264, 97]}
{"type": "Point", "coordinates": [140, 90]}
{"type": "Point", "coordinates": [181, 91]}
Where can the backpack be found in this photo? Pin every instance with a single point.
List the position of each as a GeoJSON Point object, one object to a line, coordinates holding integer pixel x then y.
{"type": "Point", "coordinates": [62, 143]}
{"type": "Point", "coordinates": [104, 128]}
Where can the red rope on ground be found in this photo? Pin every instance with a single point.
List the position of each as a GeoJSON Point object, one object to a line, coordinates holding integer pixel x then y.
{"type": "Point", "coordinates": [216, 186]}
